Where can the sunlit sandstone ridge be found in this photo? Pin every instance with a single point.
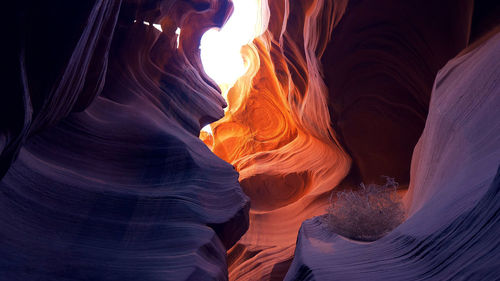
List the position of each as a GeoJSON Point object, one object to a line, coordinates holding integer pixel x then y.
{"type": "Point", "coordinates": [276, 132]}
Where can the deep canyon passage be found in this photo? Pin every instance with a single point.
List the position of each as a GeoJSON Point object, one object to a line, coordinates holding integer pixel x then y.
{"type": "Point", "coordinates": [318, 140]}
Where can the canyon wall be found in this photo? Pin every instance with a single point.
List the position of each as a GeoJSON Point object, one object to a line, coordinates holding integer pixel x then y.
{"type": "Point", "coordinates": [103, 176]}
{"type": "Point", "coordinates": [330, 80]}
{"type": "Point", "coordinates": [379, 69]}
{"type": "Point", "coordinates": [451, 232]}
{"type": "Point", "coordinates": [111, 181]}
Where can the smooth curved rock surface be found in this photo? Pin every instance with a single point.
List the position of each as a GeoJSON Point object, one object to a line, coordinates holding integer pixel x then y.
{"type": "Point", "coordinates": [453, 200]}
{"type": "Point", "coordinates": [123, 189]}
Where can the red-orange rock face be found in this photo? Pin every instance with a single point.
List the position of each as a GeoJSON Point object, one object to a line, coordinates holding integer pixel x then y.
{"type": "Point", "coordinates": [277, 134]}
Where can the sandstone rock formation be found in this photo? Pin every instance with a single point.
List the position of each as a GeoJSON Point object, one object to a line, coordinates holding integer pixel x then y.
{"type": "Point", "coordinates": [451, 232]}
{"type": "Point", "coordinates": [111, 181]}
{"type": "Point", "coordinates": [379, 70]}
{"type": "Point", "coordinates": [288, 147]}
{"type": "Point", "coordinates": [277, 134]}
{"type": "Point", "coordinates": [103, 175]}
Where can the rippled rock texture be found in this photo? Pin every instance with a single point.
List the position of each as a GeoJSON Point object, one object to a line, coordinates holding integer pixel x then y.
{"type": "Point", "coordinates": [111, 181]}
{"type": "Point", "coordinates": [277, 135]}
{"type": "Point", "coordinates": [453, 200]}
{"type": "Point", "coordinates": [103, 176]}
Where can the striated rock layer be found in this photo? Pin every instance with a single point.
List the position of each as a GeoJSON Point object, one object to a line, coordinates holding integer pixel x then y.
{"type": "Point", "coordinates": [277, 134]}
{"type": "Point", "coordinates": [111, 181]}
{"type": "Point", "coordinates": [102, 176]}
{"type": "Point", "coordinates": [453, 200]}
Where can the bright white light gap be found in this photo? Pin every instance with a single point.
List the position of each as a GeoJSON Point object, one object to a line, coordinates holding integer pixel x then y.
{"type": "Point", "coordinates": [220, 49]}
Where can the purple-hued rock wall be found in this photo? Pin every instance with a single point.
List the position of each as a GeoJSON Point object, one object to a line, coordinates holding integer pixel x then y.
{"type": "Point", "coordinates": [111, 181]}
{"type": "Point", "coordinates": [451, 232]}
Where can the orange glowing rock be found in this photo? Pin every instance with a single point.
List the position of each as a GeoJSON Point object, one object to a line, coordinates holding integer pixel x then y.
{"type": "Point", "coordinates": [276, 132]}
{"type": "Point", "coordinates": [207, 138]}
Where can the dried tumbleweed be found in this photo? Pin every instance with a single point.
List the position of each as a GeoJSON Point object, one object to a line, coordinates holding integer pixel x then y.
{"type": "Point", "coordinates": [366, 214]}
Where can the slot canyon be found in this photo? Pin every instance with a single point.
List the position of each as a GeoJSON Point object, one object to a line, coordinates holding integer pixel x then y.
{"type": "Point", "coordinates": [251, 140]}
